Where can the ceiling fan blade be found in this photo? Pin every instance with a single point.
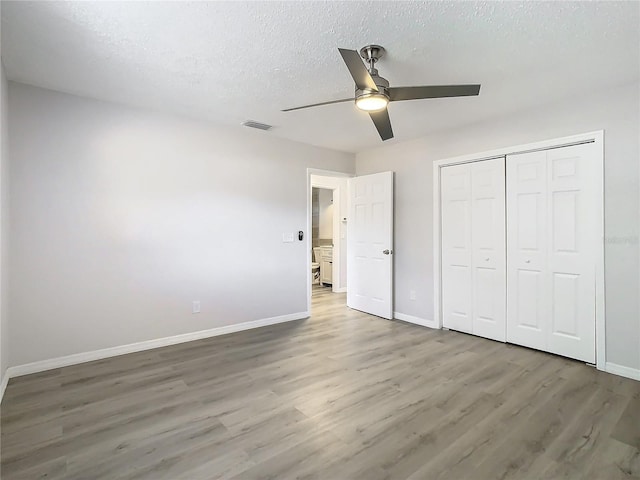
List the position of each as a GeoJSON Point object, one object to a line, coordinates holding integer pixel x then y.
{"type": "Point", "coordinates": [383, 123]}
{"type": "Point", "coordinates": [358, 71]}
{"type": "Point", "coordinates": [432, 91]}
{"type": "Point", "coordinates": [318, 104]}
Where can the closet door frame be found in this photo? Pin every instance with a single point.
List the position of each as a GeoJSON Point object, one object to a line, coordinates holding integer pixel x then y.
{"type": "Point", "coordinates": [597, 138]}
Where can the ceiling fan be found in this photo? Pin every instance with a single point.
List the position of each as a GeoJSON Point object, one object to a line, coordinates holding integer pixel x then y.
{"type": "Point", "coordinates": [373, 93]}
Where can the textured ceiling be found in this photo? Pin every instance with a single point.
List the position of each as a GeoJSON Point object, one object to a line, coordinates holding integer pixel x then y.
{"type": "Point", "coordinates": [232, 61]}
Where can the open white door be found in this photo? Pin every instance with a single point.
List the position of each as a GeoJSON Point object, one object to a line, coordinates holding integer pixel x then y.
{"type": "Point", "coordinates": [370, 244]}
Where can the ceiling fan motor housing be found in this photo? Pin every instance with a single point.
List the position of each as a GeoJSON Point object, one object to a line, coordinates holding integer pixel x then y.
{"type": "Point", "coordinates": [381, 83]}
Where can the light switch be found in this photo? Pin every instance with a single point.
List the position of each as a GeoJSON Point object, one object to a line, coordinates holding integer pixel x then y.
{"type": "Point", "coordinates": [287, 237]}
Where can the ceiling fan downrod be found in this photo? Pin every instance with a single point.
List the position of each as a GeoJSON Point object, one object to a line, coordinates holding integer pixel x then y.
{"type": "Point", "coordinates": [371, 54]}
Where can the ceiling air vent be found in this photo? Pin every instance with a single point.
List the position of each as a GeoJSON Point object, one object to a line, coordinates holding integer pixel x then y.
{"type": "Point", "coordinates": [258, 125]}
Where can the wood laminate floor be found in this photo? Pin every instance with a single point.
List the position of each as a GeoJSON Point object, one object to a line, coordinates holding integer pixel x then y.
{"type": "Point", "coordinates": [341, 395]}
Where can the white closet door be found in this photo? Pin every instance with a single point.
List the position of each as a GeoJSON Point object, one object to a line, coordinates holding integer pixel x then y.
{"type": "Point", "coordinates": [526, 249]}
{"type": "Point", "coordinates": [550, 251]}
{"type": "Point", "coordinates": [456, 248]}
{"type": "Point", "coordinates": [473, 248]}
{"type": "Point", "coordinates": [571, 252]}
{"type": "Point", "coordinates": [488, 248]}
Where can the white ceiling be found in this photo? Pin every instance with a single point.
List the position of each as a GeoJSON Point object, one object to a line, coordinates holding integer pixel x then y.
{"type": "Point", "coordinates": [232, 61]}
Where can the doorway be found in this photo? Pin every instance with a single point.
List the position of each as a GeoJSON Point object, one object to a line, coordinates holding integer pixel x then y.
{"type": "Point", "coordinates": [327, 239]}
{"type": "Point", "coordinates": [322, 237]}
{"type": "Point", "coordinates": [362, 253]}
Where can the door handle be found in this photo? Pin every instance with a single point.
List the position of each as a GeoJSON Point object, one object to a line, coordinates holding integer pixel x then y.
{"type": "Point", "coordinates": [387, 251]}
{"type": "Point", "coordinates": [527, 261]}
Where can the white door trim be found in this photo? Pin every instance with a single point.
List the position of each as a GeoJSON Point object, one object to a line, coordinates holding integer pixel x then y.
{"type": "Point", "coordinates": [596, 137]}
{"type": "Point", "coordinates": [336, 286]}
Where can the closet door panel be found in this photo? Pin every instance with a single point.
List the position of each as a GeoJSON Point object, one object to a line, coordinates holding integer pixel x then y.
{"type": "Point", "coordinates": [571, 252]}
{"type": "Point", "coordinates": [456, 247]}
{"type": "Point", "coordinates": [551, 251]}
{"type": "Point", "coordinates": [488, 248]}
{"type": "Point", "coordinates": [526, 249]}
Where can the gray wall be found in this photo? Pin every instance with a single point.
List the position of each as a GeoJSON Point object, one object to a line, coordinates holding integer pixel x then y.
{"type": "Point", "coordinates": [120, 218]}
{"type": "Point", "coordinates": [616, 111]}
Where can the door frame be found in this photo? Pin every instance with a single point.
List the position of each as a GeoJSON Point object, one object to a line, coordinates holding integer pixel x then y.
{"type": "Point", "coordinates": [597, 138]}
{"type": "Point", "coordinates": [337, 193]}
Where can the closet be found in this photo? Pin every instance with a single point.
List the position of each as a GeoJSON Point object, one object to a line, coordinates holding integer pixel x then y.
{"type": "Point", "coordinates": [518, 253]}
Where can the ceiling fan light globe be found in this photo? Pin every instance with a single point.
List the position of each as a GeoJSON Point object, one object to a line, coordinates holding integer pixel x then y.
{"type": "Point", "coordinates": [372, 102]}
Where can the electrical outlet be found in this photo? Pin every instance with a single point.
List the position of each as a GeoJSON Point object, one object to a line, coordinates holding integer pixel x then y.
{"type": "Point", "coordinates": [195, 306]}
{"type": "Point", "coordinates": [412, 294]}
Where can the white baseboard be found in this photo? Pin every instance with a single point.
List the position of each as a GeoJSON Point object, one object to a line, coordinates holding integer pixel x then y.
{"type": "Point", "coordinates": [74, 359]}
{"type": "Point", "coordinates": [623, 371]}
{"type": "Point", "coordinates": [3, 384]}
{"type": "Point", "coordinates": [417, 320]}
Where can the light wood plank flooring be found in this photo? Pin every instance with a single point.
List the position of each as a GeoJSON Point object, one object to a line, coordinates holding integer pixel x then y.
{"type": "Point", "coordinates": [338, 396]}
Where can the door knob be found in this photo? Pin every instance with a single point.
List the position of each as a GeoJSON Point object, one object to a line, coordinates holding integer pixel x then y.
{"type": "Point", "coordinates": [527, 261]}
{"type": "Point", "coordinates": [387, 252]}
{"type": "Point", "coordinates": [486, 259]}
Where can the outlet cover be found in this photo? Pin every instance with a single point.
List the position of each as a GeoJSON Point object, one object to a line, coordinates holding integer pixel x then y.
{"type": "Point", "coordinates": [412, 294]}
{"type": "Point", "coordinates": [195, 307]}
{"type": "Point", "coordinates": [287, 237]}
